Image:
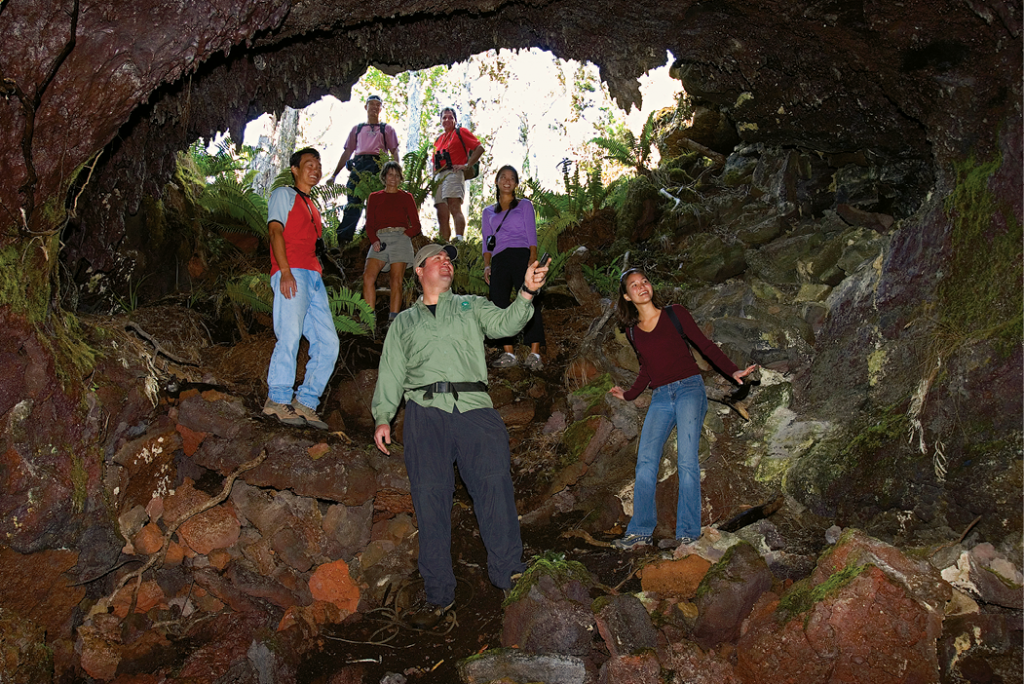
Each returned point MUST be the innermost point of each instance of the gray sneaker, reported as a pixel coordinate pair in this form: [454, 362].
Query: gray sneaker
[677, 542]
[309, 415]
[284, 413]
[533, 362]
[632, 541]
[506, 360]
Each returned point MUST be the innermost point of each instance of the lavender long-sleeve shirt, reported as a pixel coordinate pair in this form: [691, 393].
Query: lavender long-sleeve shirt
[518, 230]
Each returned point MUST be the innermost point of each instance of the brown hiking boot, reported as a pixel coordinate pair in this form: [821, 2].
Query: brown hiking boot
[309, 415]
[423, 615]
[284, 413]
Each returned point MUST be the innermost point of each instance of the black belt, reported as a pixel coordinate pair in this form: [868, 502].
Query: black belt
[452, 388]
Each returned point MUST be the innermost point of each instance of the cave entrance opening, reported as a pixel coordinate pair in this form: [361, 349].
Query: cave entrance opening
[529, 108]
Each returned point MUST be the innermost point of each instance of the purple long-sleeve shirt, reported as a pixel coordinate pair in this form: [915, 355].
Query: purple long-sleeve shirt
[518, 230]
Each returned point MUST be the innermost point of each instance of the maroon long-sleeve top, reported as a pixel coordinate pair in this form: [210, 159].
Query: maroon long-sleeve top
[665, 356]
[390, 210]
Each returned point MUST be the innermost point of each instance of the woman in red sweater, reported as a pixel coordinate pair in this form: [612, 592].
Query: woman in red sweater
[679, 401]
[392, 220]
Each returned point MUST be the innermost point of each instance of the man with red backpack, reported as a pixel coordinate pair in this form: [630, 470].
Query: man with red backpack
[456, 153]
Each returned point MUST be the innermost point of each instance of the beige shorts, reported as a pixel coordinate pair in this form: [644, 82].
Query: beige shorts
[397, 249]
[451, 186]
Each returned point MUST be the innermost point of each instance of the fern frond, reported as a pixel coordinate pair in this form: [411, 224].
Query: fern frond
[351, 313]
[253, 292]
[283, 179]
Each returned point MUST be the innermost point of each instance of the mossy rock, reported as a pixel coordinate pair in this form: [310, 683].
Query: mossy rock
[802, 596]
[553, 565]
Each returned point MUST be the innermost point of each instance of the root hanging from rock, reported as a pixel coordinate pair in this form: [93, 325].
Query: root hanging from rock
[159, 556]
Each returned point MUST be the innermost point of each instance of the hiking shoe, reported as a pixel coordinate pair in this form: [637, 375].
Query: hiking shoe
[284, 413]
[423, 615]
[506, 360]
[309, 415]
[677, 542]
[632, 541]
[533, 362]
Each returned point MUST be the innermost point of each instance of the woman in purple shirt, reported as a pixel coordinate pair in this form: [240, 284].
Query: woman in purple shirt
[509, 232]
[679, 400]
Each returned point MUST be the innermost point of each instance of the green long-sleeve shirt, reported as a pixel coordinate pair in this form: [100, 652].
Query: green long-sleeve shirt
[422, 348]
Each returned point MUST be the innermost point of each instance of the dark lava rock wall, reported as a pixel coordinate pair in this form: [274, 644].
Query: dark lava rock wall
[919, 79]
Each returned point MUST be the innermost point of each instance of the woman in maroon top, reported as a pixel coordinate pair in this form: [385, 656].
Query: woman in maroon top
[679, 401]
[392, 220]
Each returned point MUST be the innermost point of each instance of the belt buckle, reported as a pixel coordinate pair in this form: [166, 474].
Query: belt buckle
[442, 387]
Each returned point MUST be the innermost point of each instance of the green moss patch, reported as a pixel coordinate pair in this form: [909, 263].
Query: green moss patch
[595, 390]
[802, 596]
[577, 437]
[980, 297]
[553, 565]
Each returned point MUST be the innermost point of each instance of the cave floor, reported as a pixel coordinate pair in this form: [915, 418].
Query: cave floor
[432, 656]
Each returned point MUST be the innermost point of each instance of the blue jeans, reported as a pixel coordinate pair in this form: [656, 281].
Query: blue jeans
[681, 404]
[308, 315]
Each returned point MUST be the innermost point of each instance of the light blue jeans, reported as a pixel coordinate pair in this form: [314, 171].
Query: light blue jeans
[681, 404]
[308, 315]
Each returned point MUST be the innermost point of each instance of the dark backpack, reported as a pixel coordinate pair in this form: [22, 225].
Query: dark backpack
[475, 171]
[675, 323]
[383, 126]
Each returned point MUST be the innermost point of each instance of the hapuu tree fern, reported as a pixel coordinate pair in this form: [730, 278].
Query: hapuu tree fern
[629, 150]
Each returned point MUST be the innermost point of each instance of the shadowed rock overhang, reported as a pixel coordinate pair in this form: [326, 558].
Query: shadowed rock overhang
[136, 81]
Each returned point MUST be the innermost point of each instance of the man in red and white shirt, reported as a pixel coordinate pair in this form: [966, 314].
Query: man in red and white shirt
[301, 308]
[455, 152]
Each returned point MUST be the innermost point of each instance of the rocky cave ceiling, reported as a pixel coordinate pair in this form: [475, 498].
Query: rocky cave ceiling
[918, 79]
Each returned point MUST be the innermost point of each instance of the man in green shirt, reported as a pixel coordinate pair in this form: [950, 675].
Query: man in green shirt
[434, 356]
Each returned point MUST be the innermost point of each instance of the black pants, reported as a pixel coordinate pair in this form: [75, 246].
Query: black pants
[364, 163]
[508, 272]
[477, 441]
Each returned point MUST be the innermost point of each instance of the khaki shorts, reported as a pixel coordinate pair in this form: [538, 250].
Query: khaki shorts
[397, 250]
[451, 186]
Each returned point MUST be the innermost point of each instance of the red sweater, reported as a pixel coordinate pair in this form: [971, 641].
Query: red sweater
[389, 210]
[665, 357]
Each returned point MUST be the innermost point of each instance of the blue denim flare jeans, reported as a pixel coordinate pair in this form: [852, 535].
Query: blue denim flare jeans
[308, 315]
[681, 404]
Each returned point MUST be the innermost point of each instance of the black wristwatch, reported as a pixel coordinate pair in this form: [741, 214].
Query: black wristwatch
[532, 293]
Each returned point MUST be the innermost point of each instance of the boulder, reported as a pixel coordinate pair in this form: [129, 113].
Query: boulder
[353, 398]
[347, 529]
[727, 593]
[677, 577]
[35, 588]
[987, 576]
[981, 648]
[344, 474]
[625, 625]
[639, 668]
[25, 657]
[332, 583]
[214, 413]
[857, 626]
[509, 664]
[700, 667]
[550, 618]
